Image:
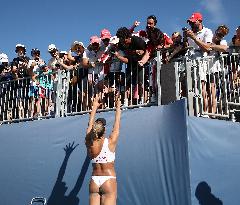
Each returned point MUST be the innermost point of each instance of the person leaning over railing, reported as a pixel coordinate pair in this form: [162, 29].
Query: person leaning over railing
[94, 53]
[114, 78]
[134, 49]
[157, 41]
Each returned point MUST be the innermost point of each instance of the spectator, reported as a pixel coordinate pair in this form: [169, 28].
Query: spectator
[217, 46]
[34, 69]
[198, 38]
[58, 61]
[93, 55]
[20, 63]
[20, 88]
[5, 69]
[236, 38]
[79, 58]
[134, 49]
[152, 32]
[53, 62]
[105, 36]
[114, 79]
[178, 48]
[79, 77]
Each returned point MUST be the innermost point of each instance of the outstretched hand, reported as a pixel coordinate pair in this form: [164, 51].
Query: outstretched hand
[96, 101]
[136, 23]
[69, 148]
[118, 102]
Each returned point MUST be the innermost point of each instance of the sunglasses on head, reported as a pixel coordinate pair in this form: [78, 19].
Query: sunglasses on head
[219, 34]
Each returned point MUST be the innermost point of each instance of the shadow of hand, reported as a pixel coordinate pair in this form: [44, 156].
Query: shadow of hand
[69, 148]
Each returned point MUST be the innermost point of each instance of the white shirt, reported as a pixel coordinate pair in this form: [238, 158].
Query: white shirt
[214, 64]
[94, 57]
[206, 36]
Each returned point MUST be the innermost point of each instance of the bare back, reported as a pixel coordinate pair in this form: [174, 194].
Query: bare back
[99, 169]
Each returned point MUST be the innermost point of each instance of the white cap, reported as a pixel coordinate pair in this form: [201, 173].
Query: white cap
[114, 40]
[20, 46]
[3, 58]
[52, 47]
[77, 43]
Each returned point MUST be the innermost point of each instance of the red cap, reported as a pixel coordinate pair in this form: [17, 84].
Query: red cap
[195, 16]
[94, 39]
[105, 34]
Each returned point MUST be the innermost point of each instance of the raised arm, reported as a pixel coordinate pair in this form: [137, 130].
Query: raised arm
[116, 127]
[95, 106]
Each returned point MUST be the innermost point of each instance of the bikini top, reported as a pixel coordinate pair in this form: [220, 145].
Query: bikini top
[105, 155]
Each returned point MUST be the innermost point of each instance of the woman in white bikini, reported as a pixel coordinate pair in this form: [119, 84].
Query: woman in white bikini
[101, 150]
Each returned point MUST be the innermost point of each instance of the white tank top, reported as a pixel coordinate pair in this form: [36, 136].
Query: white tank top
[105, 155]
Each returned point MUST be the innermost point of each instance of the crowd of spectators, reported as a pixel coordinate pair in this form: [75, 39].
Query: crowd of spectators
[98, 67]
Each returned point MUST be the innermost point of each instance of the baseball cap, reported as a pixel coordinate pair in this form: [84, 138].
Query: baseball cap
[114, 40]
[195, 16]
[52, 47]
[20, 46]
[94, 39]
[77, 43]
[105, 34]
[3, 58]
[102, 120]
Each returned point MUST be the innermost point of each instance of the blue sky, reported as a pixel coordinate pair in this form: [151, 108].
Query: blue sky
[36, 24]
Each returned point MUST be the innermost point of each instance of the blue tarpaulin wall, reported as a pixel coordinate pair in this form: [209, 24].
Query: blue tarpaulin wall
[151, 159]
[214, 153]
[163, 157]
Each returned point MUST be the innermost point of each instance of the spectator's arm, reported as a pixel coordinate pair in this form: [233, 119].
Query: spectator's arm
[70, 57]
[145, 58]
[220, 48]
[121, 58]
[135, 24]
[203, 46]
[67, 67]
[85, 63]
[167, 41]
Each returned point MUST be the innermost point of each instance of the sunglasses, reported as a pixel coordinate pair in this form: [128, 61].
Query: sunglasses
[106, 40]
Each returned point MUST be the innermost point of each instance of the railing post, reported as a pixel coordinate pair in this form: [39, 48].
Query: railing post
[58, 94]
[177, 83]
[159, 63]
[62, 92]
[189, 86]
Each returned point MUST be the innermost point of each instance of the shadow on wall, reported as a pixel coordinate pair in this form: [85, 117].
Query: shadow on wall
[58, 196]
[204, 195]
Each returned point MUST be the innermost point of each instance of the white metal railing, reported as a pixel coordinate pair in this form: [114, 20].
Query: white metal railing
[211, 85]
[70, 92]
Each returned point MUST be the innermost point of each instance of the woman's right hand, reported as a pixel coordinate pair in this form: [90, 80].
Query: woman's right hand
[96, 103]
